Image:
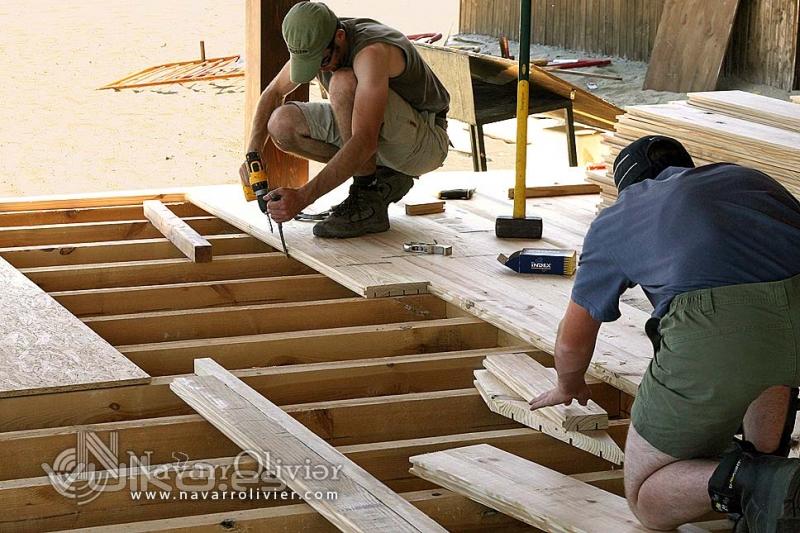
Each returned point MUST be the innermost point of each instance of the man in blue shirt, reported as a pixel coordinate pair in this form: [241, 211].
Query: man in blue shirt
[716, 249]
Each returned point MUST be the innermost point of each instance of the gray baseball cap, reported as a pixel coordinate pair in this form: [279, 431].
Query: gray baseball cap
[308, 28]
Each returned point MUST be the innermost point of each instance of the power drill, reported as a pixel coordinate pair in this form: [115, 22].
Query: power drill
[260, 185]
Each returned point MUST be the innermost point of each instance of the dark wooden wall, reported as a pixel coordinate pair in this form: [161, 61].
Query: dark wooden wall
[763, 46]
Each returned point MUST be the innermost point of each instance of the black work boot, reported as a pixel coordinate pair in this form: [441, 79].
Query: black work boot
[393, 185]
[363, 211]
[764, 489]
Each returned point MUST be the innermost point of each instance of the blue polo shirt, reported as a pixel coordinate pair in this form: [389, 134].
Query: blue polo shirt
[688, 229]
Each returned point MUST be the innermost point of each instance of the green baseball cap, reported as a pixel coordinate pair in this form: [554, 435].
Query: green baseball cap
[308, 29]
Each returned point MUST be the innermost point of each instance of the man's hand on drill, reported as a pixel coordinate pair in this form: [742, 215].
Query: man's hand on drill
[291, 202]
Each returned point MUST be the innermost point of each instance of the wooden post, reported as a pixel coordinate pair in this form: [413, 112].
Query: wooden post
[265, 55]
[202, 50]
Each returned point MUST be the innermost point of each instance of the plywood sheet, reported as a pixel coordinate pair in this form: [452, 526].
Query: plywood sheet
[527, 306]
[690, 45]
[750, 106]
[44, 348]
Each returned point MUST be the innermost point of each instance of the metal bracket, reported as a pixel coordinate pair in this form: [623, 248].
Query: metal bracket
[427, 248]
[312, 217]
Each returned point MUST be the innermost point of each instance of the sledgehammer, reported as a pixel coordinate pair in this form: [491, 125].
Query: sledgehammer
[520, 226]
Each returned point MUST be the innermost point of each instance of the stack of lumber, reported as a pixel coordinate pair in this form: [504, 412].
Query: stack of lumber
[510, 381]
[726, 126]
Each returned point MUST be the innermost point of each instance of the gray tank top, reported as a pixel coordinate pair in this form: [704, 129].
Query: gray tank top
[417, 85]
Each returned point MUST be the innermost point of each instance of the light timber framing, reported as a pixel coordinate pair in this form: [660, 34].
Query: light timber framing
[179, 233]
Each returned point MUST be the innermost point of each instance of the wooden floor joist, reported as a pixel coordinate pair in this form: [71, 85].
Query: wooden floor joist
[350, 498]
[179, 233]
[122, 251]
[200, 294]
[163, 271]
[90, 214]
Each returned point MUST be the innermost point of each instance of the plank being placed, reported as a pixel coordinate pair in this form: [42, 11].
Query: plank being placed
[186, 239]
[527, 491]
[528, 378]
[44, 348]
[503, 401]
[342, 260]
[274, 438]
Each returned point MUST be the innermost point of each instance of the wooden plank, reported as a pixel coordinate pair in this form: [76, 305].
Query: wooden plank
[286, 385]
[529, 492]
[503, 401]
[52, 234]
[312, 346]
[121, 251]
[257, 319]
[186, 239]
[453, 71]
[751, 107]
[200, 294]
[424, 208]
[266, 54]
[163, 271]
[273, 438]
[528, 378]
[90, 214]
[690, 45]
[546, 191]
[44, 348]
[321, 256]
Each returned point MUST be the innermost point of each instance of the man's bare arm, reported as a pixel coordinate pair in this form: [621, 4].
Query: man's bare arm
[575, 342]
[272, 98]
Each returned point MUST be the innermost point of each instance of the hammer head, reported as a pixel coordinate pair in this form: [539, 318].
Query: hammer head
[518, 228]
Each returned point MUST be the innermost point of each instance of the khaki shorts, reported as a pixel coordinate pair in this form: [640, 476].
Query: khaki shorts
[409, 142]
[720, 348]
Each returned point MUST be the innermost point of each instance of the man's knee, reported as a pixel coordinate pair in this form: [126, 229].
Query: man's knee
[342, 86]
[285, 125]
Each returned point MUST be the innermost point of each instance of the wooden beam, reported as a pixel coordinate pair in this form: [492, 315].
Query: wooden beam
[503, 401]
[256, 319]
[525, 490]
[545, 191]
[44, 348]
[424, 208]
[341, 423]
[186, 239]
[529, 379]
[285, 385]
[163, 271]
[200, 294]
[266, 54]
[53, 234]
[274, 438]
[90, 214]
[121, 251]
[313, 346]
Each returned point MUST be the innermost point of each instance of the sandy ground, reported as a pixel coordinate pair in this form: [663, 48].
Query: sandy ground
[58, 134]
